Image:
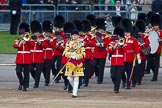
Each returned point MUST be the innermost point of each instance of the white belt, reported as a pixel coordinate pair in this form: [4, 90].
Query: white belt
[117, 55]
[48, 49]
[87, 47]
[36, 50]
[23, 52]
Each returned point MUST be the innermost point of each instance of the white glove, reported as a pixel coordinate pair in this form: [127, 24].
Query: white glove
[139, 61]
[97, 44]
[13, 12]
[82, 43]
[73, 55]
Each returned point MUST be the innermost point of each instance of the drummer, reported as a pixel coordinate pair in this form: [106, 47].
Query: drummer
[153, 61]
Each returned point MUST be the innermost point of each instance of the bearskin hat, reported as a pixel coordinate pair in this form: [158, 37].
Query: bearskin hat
[23, 27]
[126, 25]
[47, 26]
[155, 19]
[59, 21]
[75, 31]
[116, 20]
[100, 23]
[142, 16]
[36, 26]
[68, 27]
[141, 25]
[92, 19]
[119, 31]
[134, 32]
[78, 25]
[149, 14]
[157, 6]
[86, 25]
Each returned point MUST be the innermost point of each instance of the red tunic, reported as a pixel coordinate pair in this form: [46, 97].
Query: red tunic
[37, 55]
[23, 54]
[58, 50]
[145, 44]
[159, 47]
[131, 48]
[47, 49]
[100, 52]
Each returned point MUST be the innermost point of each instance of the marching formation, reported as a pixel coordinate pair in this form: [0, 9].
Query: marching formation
[75, 51]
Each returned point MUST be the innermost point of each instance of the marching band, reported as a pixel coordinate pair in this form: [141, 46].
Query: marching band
[71, 49]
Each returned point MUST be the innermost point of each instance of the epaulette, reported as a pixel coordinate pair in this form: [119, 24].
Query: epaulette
[106, 35]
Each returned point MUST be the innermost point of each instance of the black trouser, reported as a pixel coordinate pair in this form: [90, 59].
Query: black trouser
[153, 62]
[66, 81]
[15, 19]
[128, 69]
[99, 63]
[23, 78]
[138, 72]
[116, 75]
[36, 74]
[87, 66]
[56, 66]
[46, 70]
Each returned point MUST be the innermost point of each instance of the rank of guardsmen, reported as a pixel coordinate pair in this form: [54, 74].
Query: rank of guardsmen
[75, 51]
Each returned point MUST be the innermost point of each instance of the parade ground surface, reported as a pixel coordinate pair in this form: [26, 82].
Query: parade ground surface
[147, 95]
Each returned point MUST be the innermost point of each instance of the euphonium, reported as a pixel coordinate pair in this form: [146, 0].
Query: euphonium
[121, 41]
[26, 36]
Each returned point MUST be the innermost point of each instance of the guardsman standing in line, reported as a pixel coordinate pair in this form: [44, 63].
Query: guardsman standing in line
[88, 50]
[144, 43]
[23, 60]
[68, 29]
[100, 43]
[117, 57]
[47, 49]
[74, 68]
[37, 55]
[131, 49]
[92, 19]
[58, 45]
[153, 61]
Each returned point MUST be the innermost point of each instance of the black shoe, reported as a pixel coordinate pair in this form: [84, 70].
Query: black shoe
[65, 87]
[20, 87]
[147, 72]
[46, 84]
[35, 86]
[86, 85]
[154, 80]
[69, 91]
[128, 87]
[99, 82]
[74, 96]
[116, 92]
[24, 89]
[138, 83]
[133, 85]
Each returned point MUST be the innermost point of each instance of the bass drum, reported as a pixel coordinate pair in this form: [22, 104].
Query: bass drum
[154, 43]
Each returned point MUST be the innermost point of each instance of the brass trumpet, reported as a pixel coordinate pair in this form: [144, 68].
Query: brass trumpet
[26, 36]
[121, 41]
